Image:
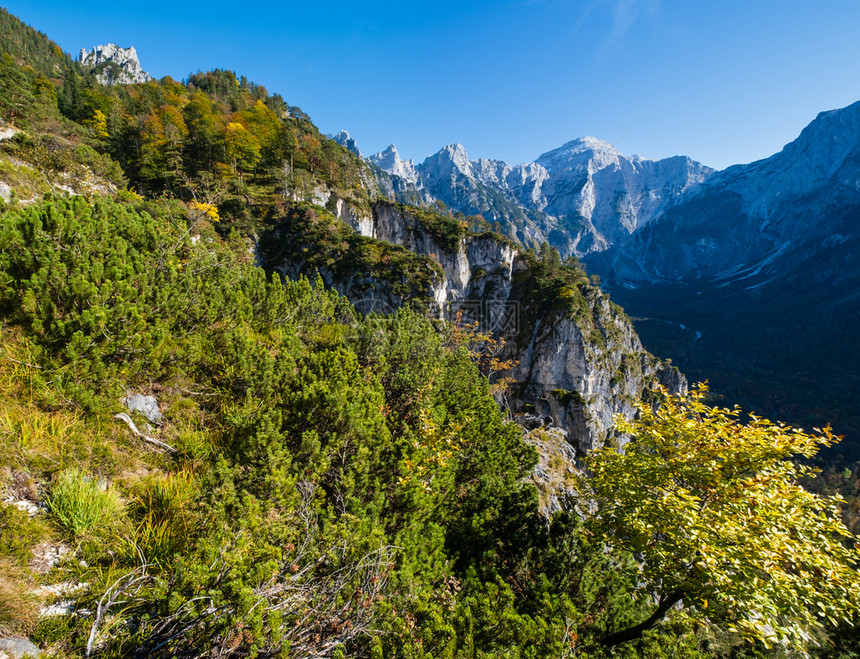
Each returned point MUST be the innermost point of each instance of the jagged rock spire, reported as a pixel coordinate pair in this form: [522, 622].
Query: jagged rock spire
[114, 65]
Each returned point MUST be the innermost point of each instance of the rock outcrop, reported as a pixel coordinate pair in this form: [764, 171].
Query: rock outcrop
[577, 357]
[114, 65]
[556, 471]
[343, 138]
[17, 647]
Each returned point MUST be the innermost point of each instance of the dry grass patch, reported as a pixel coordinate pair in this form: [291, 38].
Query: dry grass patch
[19, 607]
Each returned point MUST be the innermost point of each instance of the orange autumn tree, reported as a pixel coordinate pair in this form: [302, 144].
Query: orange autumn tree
[486, 350]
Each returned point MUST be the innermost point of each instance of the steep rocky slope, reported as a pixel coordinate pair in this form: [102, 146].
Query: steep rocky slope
[398, 179]
[759, 220]
[616, 194]
[578, 360]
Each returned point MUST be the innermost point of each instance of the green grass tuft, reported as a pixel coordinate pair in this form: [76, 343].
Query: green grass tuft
[81, 506]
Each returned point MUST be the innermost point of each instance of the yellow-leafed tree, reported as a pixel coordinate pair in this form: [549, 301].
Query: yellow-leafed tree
[713, 511]
[242, 147]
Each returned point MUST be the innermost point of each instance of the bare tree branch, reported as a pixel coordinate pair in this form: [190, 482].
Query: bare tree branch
[122, 416]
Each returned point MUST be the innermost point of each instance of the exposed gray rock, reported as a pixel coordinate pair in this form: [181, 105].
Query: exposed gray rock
[390, 161]
[585, 369]
[343, 138]
[579, 369]
[757, 221]
[7, 131]
[556, 472]
[146, 405]
[31, 508]
[583, 197]
[46, 555]
[18, 646]
[114, 65]
[533, 421]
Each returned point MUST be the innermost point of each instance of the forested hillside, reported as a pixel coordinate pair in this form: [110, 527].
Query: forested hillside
[200, 460]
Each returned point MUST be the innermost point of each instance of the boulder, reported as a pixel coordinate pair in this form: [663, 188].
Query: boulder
[146, 405]
[17, 647]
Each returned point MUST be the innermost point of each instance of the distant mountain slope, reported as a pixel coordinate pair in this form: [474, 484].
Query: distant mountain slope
[759, 220]
[752, 279]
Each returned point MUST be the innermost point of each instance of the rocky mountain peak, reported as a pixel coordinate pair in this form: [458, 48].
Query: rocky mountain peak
[114, 65]
[455, 151]
[809, 161]
[390, 161]
[587, 143]
[830, 126]
[760, 219]
[448, 163]
[582, 151]
[451, 156]
[347, 142]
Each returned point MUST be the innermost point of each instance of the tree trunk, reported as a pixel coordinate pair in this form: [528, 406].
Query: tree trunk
[632, 633]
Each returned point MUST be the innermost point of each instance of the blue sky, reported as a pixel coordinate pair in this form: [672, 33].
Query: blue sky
[722, 81]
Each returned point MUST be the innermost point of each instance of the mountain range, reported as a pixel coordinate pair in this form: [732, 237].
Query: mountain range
[759, 221]
[747, 276]
[582, 197]
[585, 197]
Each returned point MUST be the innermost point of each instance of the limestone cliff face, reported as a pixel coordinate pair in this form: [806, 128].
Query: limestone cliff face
[459, 259]
[114, 65]
[582, 368]
[578, 359]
